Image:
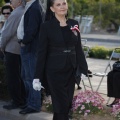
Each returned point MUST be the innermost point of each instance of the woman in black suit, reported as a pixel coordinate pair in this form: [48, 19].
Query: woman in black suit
[59, 55]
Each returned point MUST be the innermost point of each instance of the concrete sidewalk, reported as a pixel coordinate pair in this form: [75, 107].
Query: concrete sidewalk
[95, 65]
[14, 114]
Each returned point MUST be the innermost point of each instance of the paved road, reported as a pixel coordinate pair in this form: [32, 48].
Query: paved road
[101, 36]
[105, 44]
[109, 41]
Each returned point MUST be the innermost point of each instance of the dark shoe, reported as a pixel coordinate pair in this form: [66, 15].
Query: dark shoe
[111, 105]
[11, 106]
[27, 111]
[114, 103]
[23, 106]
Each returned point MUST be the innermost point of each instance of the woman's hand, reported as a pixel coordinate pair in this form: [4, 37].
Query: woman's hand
[37, 85]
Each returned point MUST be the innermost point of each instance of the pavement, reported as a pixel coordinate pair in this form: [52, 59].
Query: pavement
[95, 65]
[14, 114]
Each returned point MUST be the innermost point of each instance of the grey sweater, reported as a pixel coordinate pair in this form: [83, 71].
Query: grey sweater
[9, 40]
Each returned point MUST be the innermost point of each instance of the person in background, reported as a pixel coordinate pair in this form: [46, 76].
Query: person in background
[7, 2]
[60, 55]
[11, 47]
[113, 86]
[1, 53]
[28, 35]
[6, 11]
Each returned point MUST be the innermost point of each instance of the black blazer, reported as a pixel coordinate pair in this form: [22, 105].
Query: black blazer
[51, 37]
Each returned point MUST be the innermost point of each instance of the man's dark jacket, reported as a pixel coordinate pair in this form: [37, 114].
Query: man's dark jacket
[32, 22]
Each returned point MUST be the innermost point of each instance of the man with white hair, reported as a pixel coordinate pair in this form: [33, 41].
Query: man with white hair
[28, 35]
[11, 47]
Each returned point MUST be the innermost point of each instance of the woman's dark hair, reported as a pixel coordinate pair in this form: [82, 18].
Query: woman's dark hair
[49, 13]
[7, 7]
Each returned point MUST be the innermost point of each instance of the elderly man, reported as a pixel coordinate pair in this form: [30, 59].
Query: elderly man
[28, 34]
[11, 47]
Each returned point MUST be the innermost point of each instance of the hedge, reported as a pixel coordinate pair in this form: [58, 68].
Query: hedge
[100, 52]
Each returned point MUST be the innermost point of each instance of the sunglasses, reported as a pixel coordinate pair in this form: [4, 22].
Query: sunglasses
[6, 13]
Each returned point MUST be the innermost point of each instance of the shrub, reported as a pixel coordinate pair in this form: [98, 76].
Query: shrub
[98, 52]
[110, 52]
[118, 50]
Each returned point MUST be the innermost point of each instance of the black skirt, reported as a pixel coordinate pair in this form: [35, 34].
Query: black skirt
[62, 84]
[113, 84]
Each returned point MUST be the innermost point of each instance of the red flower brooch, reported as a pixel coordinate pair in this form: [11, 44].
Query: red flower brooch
[75, 29]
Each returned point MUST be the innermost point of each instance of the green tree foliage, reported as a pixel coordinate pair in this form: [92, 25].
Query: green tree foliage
[106, 11]
[1, 3]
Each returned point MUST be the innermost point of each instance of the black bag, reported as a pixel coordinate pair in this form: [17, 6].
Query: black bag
[116, 66]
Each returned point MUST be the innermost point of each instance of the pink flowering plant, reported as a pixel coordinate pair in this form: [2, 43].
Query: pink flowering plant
[116, 110]
[87, 102]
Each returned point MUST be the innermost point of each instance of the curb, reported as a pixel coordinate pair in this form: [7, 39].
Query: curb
[101, 40]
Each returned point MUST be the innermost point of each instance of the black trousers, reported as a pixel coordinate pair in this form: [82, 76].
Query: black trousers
[113, 84]
[13, 75]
